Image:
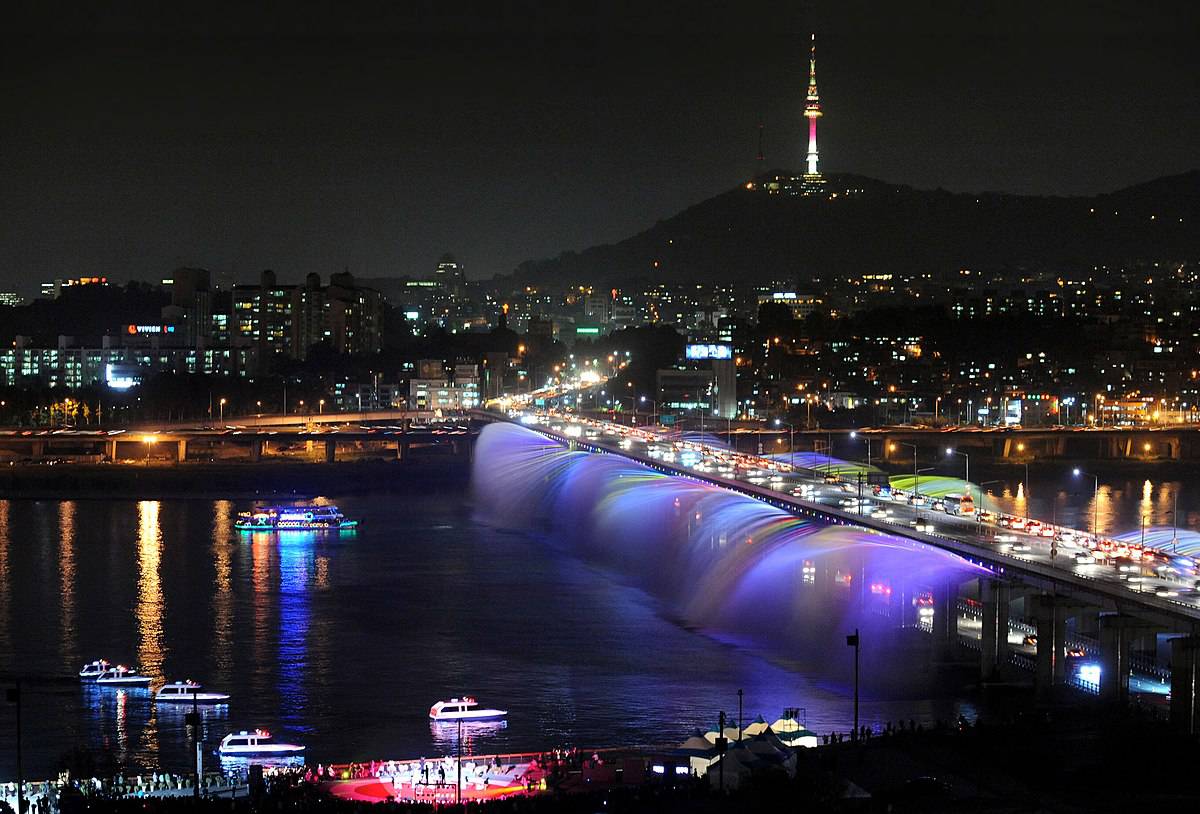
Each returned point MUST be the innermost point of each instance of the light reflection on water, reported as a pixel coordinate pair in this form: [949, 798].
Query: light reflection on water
[342, 642]
[66, 571]
[5, 587]
[1117, 507]
[149, 612]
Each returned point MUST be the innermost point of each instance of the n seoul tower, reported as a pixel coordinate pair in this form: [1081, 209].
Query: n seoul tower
[812, 112]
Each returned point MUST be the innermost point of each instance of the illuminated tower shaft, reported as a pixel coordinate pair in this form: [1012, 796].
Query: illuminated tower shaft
[812, 109]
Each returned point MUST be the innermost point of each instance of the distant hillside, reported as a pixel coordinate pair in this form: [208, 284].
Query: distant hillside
[753, 237]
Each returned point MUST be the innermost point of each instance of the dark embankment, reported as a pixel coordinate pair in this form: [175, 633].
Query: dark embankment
[208, 480]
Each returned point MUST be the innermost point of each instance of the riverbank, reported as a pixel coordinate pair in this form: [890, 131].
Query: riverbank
[232, 480]
[1067, 761]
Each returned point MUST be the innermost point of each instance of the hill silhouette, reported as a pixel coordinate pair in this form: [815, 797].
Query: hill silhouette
[751, 237]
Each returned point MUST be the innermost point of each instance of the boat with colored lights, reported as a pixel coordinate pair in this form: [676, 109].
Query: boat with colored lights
[255, 743]
[188, 692]
[463, 709]
[94, 669]
[122, 676]
[293, 518]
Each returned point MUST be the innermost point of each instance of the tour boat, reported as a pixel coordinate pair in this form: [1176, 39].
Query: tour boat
[463, 709]
[187, 692]
[293, 518]
[94, 669]
[258, 742]
[122, 676]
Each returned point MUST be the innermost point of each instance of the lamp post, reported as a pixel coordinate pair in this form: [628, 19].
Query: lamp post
[321, 406]
[222, 405]
[916, 474]
[967, 476]
[867, 438]
[855, 642]
[632, 401]
[1174, 520]
[1095, 502]
[654, 405]
[791, 442]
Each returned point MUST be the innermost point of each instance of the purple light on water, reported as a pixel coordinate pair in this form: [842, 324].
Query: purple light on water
[723, 562]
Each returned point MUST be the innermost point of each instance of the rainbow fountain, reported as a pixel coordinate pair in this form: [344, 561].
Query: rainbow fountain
[731, 566]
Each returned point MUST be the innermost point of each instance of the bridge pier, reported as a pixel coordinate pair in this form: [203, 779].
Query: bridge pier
[256, 450]
[1116, 638]
[37, 449]
[994, 595]
[110, 450]
[1185, 682]
[330, 451]
[945, 622]
[1051, 665]
[180, 450]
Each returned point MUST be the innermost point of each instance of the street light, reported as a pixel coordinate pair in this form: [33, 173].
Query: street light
[321, 406]
[1095, 502]
[791, 442]
[867, 438]
[855, 642]
[654, 404]
[967, 458]
[916, 474]
[222, 403]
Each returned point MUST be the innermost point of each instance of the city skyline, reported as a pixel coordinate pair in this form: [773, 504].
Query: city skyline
[503, 142]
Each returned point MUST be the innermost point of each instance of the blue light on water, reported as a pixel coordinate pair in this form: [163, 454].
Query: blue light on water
[723, 561]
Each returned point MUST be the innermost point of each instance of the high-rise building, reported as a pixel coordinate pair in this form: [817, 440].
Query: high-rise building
[287, 320]
[11, 298]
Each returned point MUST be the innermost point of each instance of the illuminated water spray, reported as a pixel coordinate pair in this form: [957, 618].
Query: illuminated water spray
[723, 562]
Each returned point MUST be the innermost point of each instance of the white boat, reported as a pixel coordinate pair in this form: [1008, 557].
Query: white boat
[122, 676]
[258, 742]
[463, 709]
[187, 692]
[94, 669]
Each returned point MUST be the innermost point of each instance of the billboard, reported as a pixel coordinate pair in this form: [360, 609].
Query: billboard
[708, 351]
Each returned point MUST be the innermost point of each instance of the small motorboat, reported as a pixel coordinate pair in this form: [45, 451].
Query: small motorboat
[122, 676]
[463, 709]
[256, 743]
[94, 669]
[188, 692]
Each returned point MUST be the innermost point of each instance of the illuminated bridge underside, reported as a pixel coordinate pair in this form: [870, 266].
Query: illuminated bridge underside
[1062, 583]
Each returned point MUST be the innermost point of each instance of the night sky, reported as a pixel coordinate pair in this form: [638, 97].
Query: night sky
[306, 137]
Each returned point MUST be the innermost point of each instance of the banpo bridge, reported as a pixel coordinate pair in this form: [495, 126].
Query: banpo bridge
[1030, 616]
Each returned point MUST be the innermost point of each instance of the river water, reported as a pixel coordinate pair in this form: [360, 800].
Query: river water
[342, 642]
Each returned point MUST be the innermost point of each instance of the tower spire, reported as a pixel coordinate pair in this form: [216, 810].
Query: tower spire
[812, 112]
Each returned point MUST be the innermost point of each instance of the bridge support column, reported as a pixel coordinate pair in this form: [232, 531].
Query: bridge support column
[1185, 684]
[256, 450]
[1051, 667]
[180, 451]
[37, 449]
[994, 596]
[330, 451]
[1116, 636]
[945, 622]
[110, 450]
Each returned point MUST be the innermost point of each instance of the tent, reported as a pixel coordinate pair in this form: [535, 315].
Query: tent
[738, 764]
[731, 735]
[757, 727]
[789, 730]
[699, 751]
